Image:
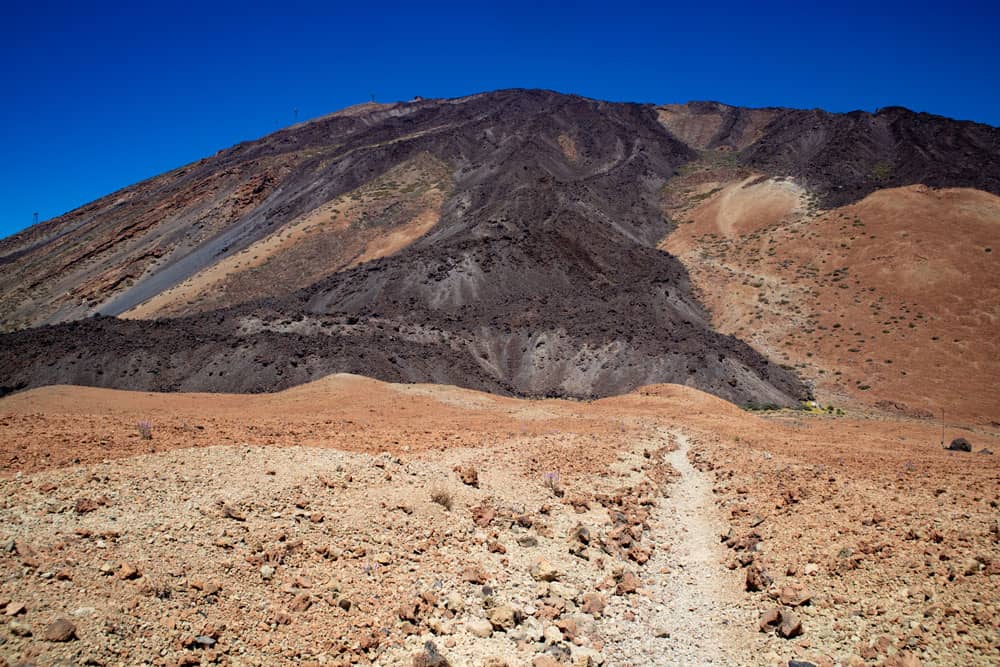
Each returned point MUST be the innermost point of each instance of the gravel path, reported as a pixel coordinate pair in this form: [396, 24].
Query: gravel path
[693, 616]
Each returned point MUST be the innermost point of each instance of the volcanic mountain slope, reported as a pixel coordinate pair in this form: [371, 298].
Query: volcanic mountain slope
[844, 157]
[540, 276]
[890, 302]
[506, 241]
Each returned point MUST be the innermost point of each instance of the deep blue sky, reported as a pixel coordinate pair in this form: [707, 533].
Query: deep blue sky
[97, 96]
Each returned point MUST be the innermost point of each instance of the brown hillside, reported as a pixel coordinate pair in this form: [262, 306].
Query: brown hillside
[892, 302]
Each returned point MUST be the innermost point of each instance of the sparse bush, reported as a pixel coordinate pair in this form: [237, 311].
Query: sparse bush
[145, 429]
[882, 171]
[761, 407]
[551, 482]
[443, 498]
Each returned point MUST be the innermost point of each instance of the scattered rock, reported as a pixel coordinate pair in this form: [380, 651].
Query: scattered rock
[233, 513]
[409, 611]
[128, 572]
[587, 657]
[530, 630]
[903, 660]
[454, 602]
[527, 541]
[59, 630]
[479, 627]
[770, 619]
[19, 629]
[15, 608]
[300, 602]
[266, 572]
[628, 583]
[593, 604]
[474, 575]
[483, 515]
[503, 617]
[795, 596]
[960, 445]
[86, 505]
[790, 626]
[757, 578]
[430, 657]
[552, 635]
[543, 570]
[469, 475]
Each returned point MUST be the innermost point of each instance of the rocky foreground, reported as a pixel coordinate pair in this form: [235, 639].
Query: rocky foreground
[433, 526]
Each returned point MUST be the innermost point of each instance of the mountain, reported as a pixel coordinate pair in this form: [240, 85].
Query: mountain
[515, 241]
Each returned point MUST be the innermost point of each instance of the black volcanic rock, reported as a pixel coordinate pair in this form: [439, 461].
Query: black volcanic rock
[845, 156]
[542, 276]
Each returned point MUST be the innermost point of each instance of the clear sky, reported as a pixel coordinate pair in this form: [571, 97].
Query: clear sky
[99, 95]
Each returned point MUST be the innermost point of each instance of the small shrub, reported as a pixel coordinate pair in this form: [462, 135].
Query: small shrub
[443, 498]
[145, 429]
[761, 407]
[882, 171]
[551, 482]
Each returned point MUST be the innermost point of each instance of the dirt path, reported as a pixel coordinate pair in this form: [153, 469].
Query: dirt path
[694, 616]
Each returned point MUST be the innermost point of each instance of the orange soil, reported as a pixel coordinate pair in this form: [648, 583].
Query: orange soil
[900, 532]
[891, 302]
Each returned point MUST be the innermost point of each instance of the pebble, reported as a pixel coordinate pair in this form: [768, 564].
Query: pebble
[543, 570]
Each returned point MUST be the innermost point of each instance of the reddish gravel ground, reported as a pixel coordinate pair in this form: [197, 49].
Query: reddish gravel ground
[302, 528]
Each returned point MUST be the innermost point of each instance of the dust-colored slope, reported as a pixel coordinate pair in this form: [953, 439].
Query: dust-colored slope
[376, 220]
[705, 125]
[893, 301]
